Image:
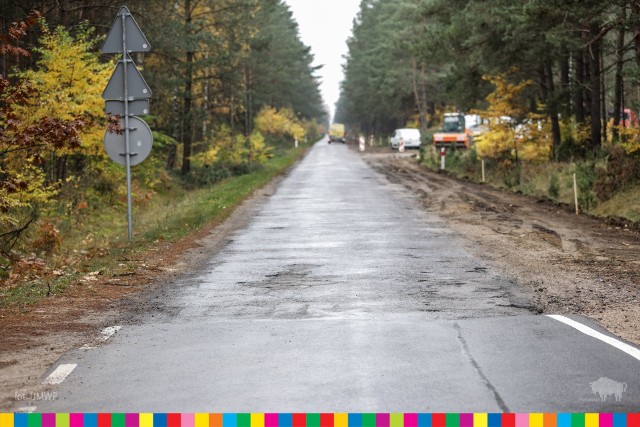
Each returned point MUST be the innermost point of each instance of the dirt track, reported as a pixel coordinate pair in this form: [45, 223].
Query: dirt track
[570, 264]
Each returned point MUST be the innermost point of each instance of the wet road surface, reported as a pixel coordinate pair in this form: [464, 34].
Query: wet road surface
[343, 294]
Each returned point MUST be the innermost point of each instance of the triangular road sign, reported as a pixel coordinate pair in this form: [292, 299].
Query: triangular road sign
[137, 87]
[136, 41]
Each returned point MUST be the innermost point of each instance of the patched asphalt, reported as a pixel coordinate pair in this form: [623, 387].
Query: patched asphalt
[343, 294]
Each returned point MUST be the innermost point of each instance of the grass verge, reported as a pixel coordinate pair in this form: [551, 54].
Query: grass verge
[96, 243]
[549, 180]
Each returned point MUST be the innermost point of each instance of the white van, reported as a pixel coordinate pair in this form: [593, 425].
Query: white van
[411, 138]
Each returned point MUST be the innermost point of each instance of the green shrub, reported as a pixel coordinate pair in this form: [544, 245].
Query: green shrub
[585, 177]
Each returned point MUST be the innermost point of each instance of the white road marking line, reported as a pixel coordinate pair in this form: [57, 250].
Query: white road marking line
[27, 409]
[105, 334]
[631, 351]
[60, 374]
[88, 347]
[109, 332]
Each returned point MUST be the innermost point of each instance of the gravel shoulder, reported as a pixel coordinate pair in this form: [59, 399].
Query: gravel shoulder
[568, 264]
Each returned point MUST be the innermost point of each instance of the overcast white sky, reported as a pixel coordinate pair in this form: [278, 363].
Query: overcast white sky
[325, 25]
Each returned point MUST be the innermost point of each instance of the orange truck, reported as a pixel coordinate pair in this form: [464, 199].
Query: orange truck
[453, 132]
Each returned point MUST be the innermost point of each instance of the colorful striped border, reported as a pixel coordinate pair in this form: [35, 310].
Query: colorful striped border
[320, 420]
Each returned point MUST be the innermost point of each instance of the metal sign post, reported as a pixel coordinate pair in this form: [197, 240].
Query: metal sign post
[127, 144]
[126, 89]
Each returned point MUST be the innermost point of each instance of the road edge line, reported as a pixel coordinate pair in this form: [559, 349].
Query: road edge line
[614, 342]
[107, 333]
[60, 374]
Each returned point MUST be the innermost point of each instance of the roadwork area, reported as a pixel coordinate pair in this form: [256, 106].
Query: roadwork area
[568, 264]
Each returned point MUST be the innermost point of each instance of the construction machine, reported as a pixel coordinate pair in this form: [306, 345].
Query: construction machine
[453, 132]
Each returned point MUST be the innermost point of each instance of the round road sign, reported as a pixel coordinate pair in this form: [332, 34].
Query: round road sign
[140, 142]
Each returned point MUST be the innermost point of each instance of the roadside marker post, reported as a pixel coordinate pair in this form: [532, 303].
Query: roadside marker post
[483, 180]
[362, 143]
[296, 142]
[126, 95]
[443, 156]
[401, 145]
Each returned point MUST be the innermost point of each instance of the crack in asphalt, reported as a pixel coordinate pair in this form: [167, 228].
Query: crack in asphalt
[465, 350]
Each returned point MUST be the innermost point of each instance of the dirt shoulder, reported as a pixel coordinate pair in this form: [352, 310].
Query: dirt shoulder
[569, 264]
[33, 338]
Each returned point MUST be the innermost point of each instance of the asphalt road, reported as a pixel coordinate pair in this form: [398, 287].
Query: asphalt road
[342, 294]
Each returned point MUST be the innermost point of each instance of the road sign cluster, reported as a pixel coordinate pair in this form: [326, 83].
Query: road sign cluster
[127, 95]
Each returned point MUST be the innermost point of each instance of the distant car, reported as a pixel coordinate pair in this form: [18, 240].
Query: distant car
[334, 138]
[411, 138]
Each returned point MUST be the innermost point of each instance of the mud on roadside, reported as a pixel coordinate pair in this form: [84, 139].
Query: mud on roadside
[568, 264]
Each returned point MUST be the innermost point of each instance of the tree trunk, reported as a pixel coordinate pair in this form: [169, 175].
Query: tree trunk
[61, 167]
[431, 111]
[565, 84]
[595, 72]
[618, 105]
[248, 99]
[63, 14]
[587, 80]
[547, 94]
[232, 114]
[205, 111]
[635, 19]
[3, 30]
[603, 98]
[187, 132]
[172, 157]
[424, 123]
[552, 109]
[579, 90]
[420, 101]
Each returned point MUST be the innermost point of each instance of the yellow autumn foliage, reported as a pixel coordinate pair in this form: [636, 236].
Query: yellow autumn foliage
[271, 121]
[229, 149]
[513, 130]
[69, 81]
[66, 82]
[36, 192]
[629, 138]
[259, 151]
[313, 129]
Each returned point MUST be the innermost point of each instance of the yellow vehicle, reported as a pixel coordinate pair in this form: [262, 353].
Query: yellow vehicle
[337, 133]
